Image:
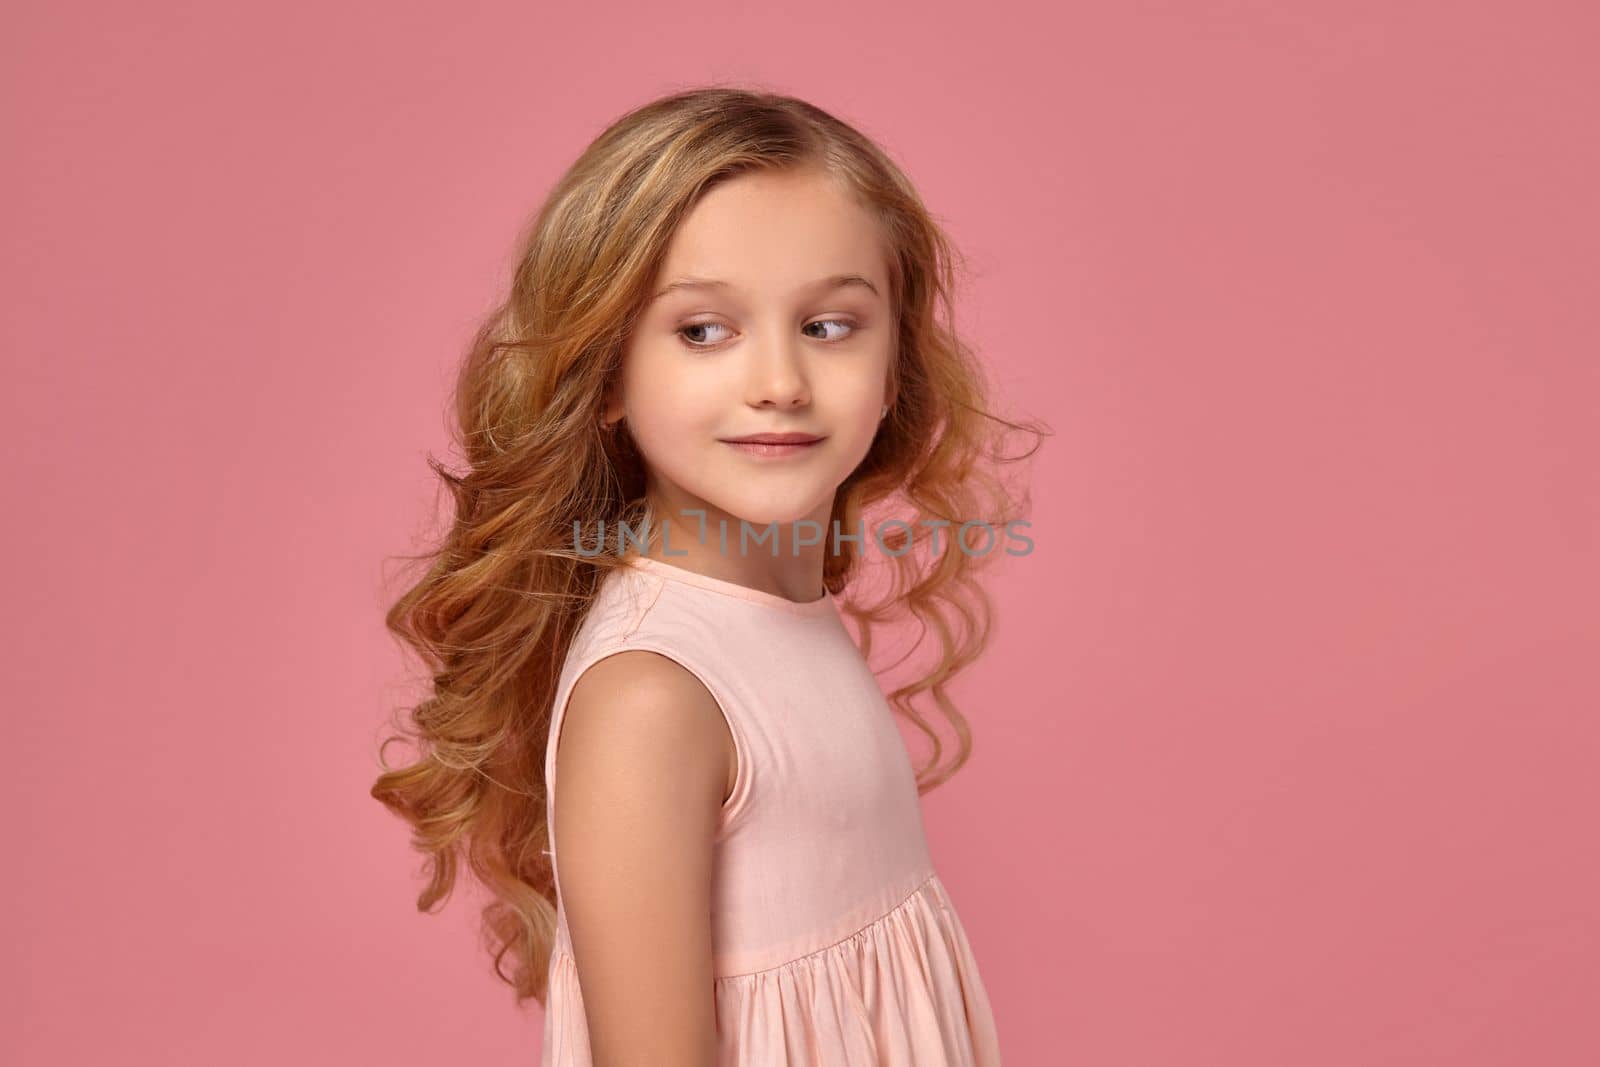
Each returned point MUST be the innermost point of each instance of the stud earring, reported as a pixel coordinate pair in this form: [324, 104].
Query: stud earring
[884, 412]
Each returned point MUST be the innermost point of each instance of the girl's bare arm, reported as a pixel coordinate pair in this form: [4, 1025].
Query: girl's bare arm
[641, 772]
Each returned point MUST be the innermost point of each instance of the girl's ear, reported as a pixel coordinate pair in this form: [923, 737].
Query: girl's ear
[611, 406]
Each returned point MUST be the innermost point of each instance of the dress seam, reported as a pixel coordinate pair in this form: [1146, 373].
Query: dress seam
[559, 950]
[848, 937]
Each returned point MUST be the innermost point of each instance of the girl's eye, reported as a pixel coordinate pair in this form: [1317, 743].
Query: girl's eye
[833, 322]
[693, 343]
[701, 326]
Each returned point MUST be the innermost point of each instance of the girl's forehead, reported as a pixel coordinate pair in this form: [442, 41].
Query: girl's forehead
[861, 283]
[742, 216]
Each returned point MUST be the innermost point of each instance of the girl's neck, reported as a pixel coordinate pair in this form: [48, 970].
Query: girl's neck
[783, 559]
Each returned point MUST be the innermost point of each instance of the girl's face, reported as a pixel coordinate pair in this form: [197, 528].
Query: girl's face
[771, 315]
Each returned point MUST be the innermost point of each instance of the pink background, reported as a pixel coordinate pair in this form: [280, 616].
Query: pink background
[1286, 743]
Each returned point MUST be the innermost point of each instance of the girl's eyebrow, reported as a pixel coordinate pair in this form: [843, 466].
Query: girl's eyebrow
[824, 285]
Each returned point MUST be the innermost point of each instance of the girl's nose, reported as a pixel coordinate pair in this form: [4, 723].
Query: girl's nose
[778, 377]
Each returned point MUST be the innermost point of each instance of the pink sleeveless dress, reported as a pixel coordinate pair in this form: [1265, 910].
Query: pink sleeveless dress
[834, 942]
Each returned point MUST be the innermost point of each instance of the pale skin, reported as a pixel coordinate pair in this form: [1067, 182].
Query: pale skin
[645, 762]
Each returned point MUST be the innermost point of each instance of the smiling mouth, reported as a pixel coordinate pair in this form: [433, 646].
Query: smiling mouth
[774, 445]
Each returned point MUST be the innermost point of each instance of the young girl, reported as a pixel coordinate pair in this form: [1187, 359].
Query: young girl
[718, 389]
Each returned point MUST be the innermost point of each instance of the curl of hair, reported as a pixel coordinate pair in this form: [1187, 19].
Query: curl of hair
[498, 600]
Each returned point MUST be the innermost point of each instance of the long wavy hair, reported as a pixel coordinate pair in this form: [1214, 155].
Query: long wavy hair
[494, 606]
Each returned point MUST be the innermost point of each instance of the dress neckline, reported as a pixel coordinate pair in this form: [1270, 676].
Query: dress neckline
[823, 605]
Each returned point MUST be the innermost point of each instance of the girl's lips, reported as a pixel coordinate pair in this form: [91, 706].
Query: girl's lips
[769, 450]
